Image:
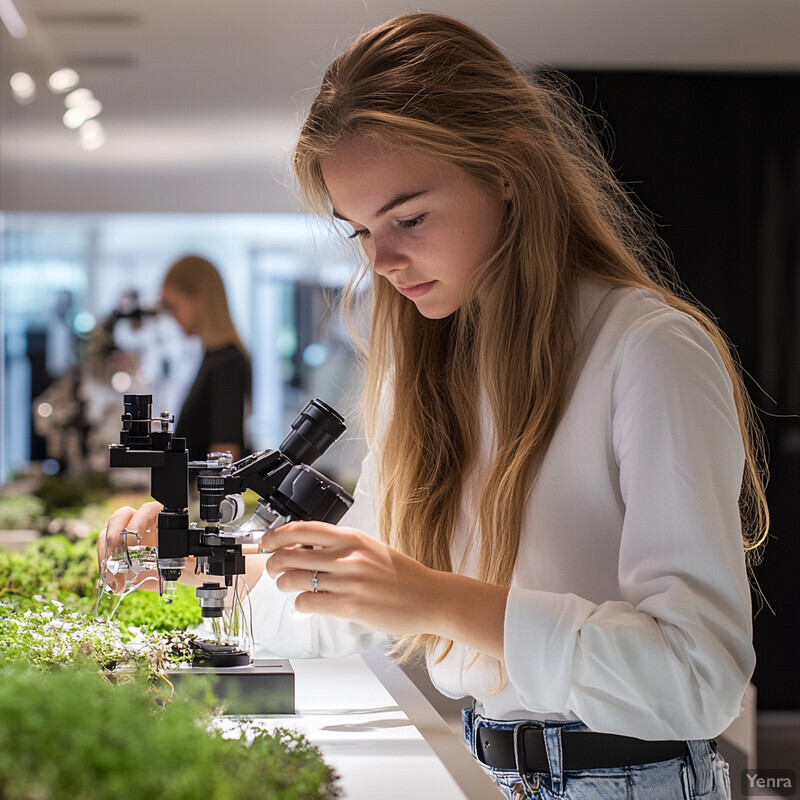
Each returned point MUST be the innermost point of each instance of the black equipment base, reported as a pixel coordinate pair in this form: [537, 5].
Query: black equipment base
[264, 687]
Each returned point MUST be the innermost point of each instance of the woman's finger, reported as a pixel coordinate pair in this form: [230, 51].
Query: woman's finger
[307, 534]
[145, 520]
[302, 580]
[298, 558]
[110, 534]
[142, 522]
[119, 519]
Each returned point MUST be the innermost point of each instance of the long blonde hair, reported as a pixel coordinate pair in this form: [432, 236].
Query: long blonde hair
[436, 85]
[193, 275]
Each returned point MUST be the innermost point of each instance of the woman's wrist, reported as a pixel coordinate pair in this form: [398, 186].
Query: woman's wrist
[468, 611]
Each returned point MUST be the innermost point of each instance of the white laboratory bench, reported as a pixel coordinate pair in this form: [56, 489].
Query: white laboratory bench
[385, 740]
[379, 733]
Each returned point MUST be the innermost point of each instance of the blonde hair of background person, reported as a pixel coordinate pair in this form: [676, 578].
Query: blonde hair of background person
[568, 218]
[199, 281]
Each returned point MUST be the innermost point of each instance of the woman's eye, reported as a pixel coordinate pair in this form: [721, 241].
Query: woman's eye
[363, 233]
[412, 223]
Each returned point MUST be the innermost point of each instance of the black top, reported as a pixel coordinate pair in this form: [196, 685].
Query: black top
[214, 410]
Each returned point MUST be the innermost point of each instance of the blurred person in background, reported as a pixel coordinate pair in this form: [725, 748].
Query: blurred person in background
[213, 415]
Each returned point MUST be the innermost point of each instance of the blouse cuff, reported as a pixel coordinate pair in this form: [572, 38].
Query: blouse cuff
[540, 632]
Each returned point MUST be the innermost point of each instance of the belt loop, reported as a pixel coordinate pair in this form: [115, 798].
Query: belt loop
[555, 759]
[468, 721]
[700, 754]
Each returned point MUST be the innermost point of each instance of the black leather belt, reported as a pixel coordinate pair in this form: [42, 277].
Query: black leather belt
[523, 749]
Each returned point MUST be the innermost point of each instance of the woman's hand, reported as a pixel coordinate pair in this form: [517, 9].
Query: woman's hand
[140, 526]
[359, 578]
[364, 580]
[113, 538]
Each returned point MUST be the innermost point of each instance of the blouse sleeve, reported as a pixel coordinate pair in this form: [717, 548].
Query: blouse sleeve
[281, 630]
[673, 657]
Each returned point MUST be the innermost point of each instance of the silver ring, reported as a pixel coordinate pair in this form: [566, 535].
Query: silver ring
[314, 582]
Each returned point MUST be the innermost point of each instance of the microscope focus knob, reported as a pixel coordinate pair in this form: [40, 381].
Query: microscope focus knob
[231, 508]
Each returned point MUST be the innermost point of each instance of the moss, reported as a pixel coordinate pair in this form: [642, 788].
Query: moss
[147, 609]
[68, 735]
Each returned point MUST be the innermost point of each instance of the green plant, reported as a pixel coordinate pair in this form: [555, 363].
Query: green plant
[55, 568]
[71, 567]
[20, 577]
[144, 609]
[47, 593]
[123, 740]
[51, 566]
[67, 735]
[46, 635]
[20, 511]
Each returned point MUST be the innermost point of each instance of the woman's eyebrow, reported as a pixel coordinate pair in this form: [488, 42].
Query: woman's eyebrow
[392, 204]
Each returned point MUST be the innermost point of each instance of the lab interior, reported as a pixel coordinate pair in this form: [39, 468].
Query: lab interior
[135, 134]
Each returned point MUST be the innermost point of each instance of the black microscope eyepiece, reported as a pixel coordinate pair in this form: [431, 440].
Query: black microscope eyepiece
[314, 430]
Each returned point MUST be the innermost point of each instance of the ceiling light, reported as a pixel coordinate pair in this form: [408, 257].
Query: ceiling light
[12, 20]
[91, 108]
[78, 97]
[62, 80]
[23, 87]
[93, 135]
[75, 117]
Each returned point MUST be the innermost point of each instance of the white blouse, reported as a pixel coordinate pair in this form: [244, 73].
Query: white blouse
[629, 607]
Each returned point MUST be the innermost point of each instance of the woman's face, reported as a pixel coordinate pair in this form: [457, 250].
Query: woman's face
[184, 307]
[425, 225]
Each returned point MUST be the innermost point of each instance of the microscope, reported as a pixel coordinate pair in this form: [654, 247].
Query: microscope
[287, 486]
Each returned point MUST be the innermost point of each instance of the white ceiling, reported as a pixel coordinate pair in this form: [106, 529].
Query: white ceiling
[202, 98]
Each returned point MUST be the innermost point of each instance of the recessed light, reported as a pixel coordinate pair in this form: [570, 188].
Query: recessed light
[62, 80]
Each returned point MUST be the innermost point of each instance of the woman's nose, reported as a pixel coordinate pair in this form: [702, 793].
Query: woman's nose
[387, 258]
[387, 255]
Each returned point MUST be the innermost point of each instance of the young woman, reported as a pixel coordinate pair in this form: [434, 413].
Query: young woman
[563, 475]
[213, 414]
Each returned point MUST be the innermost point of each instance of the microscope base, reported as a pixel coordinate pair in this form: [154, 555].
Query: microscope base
[264, 687]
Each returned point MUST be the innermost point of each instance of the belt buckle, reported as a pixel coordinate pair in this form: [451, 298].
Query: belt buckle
[519, 753]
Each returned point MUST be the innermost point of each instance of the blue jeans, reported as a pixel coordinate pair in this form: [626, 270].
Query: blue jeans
[701, 775]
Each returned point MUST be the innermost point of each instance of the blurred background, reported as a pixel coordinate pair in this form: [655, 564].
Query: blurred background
[166, 128]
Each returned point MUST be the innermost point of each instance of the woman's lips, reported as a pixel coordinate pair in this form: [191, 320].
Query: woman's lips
[416, 290]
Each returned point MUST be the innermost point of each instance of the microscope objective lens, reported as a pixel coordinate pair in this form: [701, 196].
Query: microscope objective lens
[170, 591]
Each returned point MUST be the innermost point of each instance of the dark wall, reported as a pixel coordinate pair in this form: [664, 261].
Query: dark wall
[716, 159]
